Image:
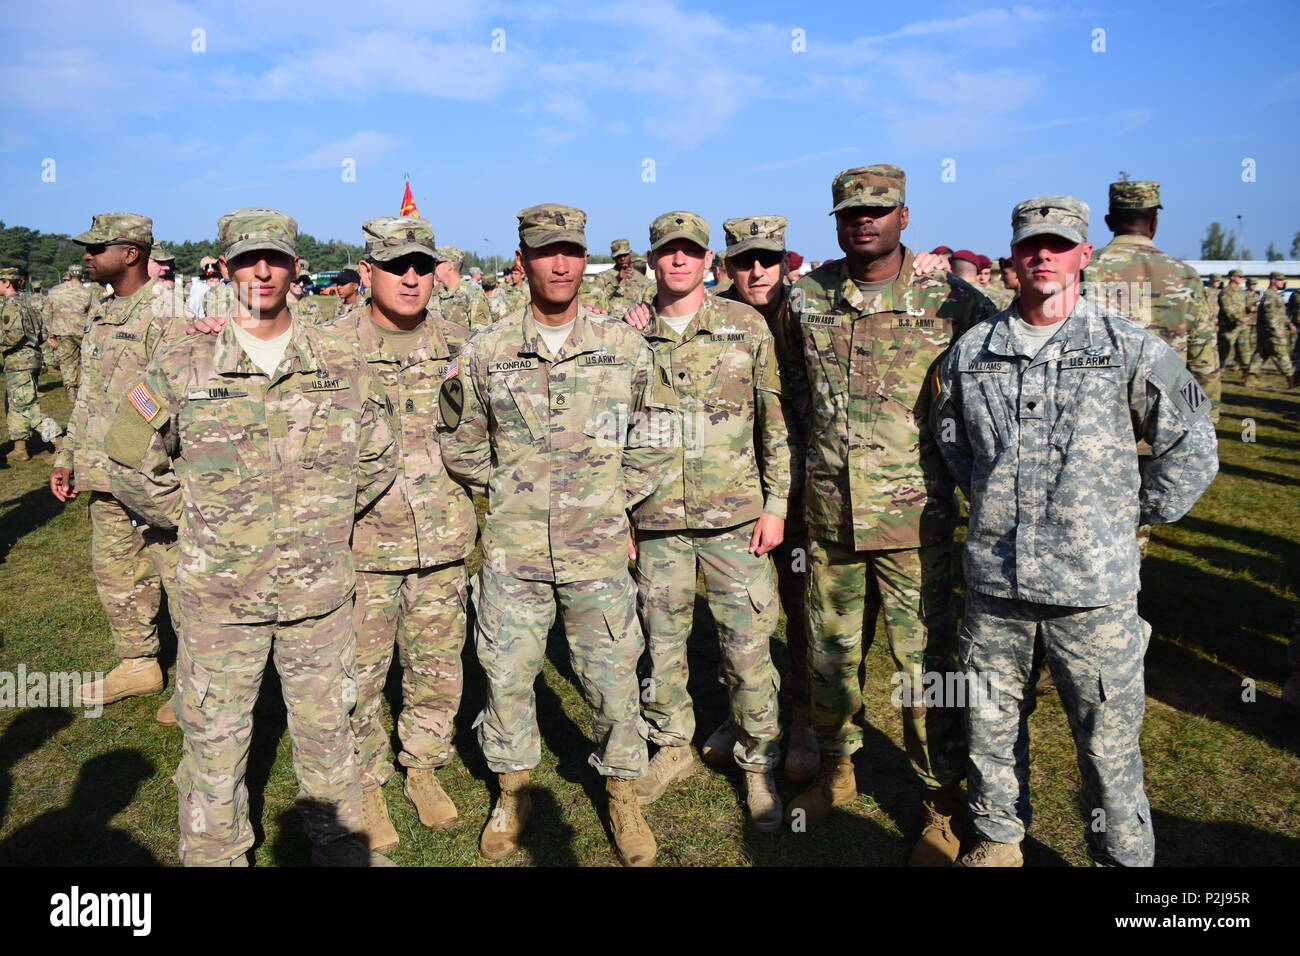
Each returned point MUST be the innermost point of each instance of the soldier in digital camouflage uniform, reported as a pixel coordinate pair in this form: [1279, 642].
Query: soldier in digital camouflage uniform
[261, 444]
[623, 286]
[70, 305]
[880, 507]
[721, 508]
[1271, 334]
[133, 560]
[1038, 418]
[561, 434]
[459, 301]
[21, 335]
[1236, 322]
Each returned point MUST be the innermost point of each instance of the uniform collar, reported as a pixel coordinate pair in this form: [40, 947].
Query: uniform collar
[582, 338]
[895, 297]
[230, 358]
[1133, 241]
[706, 319]
[374, 344]
[1084, 329]
[122, 308]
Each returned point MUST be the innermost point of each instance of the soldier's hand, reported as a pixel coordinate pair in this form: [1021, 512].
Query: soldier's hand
[769, 532]
[638, 316]
[207, 326]
[61, 484]
[631, 546]
[926, 262]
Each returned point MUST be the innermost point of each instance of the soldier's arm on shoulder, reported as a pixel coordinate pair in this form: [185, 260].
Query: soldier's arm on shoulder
[377, 452]
[947, 419]
[1172, 413]
[647, 448]
[141, 445]
[776, 451]
[463, 421]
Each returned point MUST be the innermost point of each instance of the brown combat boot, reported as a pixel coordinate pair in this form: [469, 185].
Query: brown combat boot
[166, 713]
[803, 756]
[636, 844]
[835, 786]
[1252, 381]
[506, 824]
[668, 766]
[134, 677]
[940, 842]
[430, 800]
[375, 823]
[989, 853]
[762, 801]
[717, 751]
[19, 451]
[351, 850]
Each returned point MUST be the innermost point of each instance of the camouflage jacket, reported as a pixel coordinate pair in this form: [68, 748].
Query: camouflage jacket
[123, 337]
[621, 294]
[21, 334]
[998, 294]
[498, 301]
[1132, 278]
[263, 477]
[873, 478]
[70, 305]
[219, 300]
[1272, 312]
[465, 305]
[789, 357]
[425, 518]
[1233, 302]
[177, 305]
[732, 458]
[564, 444]
[517, 296]
[1045, 450]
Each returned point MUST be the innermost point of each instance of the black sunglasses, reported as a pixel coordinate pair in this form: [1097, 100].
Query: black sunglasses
[767, 258]
[422, 265]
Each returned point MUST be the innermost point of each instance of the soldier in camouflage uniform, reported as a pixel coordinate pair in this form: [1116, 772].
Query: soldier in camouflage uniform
[623, 286]
[20, 342]
[70, 305]
[721, 508]
[880, 506]
[558, 414]
[1236, 322]
[261, 444]
[998, 291]
[162, 266]
[1271, 338]
[1038, 418]
[498, 299]
[459, 301]
[134, 561]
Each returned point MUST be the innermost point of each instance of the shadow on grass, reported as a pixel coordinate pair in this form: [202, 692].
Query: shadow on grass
[25, 514]
[1254, 474]
[1184, 842]
[26, 734]
[81, 833]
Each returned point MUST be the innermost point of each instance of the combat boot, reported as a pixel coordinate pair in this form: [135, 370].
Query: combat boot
[134, 677]
[718, 750]
[669, 765]
[166, 713]
[989, 853]
[19, 451]
[835, 786]
[375, 823]
[1252, 381]
[430, 800]
[940, 842]
[351, 850]
[762, 801]
[636, 844]
[506, 824]
[803, 756]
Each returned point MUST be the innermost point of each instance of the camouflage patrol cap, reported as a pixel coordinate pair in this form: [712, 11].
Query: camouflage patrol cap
[38, 286]
[620, 247]
[489, 280]
[256, 228]
[117, 227]
[639, 262]
[679, 225]
[1277, 275]
[449, 253]
[755, 232]
[12, 273]
[1052, 215]
[391, 237]
[1216, 277]
[550, 223]
[75, 271]
[1234, 273]
[159, 254]
[874, 186]
[304, 267]
[1132, 194]
[207, 262]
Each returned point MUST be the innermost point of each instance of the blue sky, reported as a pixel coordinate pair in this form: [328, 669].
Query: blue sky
[736, 120]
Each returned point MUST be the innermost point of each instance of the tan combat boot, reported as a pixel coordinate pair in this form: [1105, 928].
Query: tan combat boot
[940, 842]
[19, 451]
[1252, 381]
[375, 823]
[351, 850]
[835, 786]
[506, 824]
[430, 800]
[134, 677]
[669, 765]
[762, 801]
[636, 844]
[166, 713]
[717, 751]
[803, 756]
[989, 853]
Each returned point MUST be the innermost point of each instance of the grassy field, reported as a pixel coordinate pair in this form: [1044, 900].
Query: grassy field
[1223, 773]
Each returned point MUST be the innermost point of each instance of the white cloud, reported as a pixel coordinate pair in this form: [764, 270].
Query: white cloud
[365, 146]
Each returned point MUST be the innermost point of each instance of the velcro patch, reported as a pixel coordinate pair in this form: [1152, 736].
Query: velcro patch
[449, 371]
[988, 367]
[199, 394]
[729, 337]
[821, 318]
[129, 336]
[143, 401]
[600, 358]
[327, 385]
[919, 321]
[514, 365]
[1193, 394]
[1090, 361]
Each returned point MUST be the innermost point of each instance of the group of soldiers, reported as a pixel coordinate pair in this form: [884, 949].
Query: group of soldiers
[1256, 327]
[303, 489]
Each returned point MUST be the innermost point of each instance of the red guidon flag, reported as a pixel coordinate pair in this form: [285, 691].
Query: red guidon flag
[408, 202]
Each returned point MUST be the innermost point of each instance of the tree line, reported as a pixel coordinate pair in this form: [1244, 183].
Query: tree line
[1221, 244]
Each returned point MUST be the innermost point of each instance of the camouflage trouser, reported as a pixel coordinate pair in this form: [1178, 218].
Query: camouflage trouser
[913, 586]
[68, 353]
[1272, 344]
[1095, 655]
[791, 561]
[133, 567]
[1244, 345]
[605, 643]
[423, 612]
[740, 593]
[22, 407]
[219, 670]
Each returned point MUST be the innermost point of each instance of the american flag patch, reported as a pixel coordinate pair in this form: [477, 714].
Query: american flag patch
[1192, 392]
[452, 369]
[143, 401]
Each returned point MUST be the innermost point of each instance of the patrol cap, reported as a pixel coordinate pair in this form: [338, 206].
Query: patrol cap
[1133, 194]
[117, 227]
[1052, 215]
[1216, 277]
[489, 280]
[347, 275]
[448, 253]
[1277, 275]
[879, 185]
[679, 225]
[38, 285]
[755, 232]
[550, 223]
[74, 270]
[620, 247]
[1234, 273]
[966, 256]
[12, 273]
[391, 237]
[207, 262]
[159, 254]
[255, 228]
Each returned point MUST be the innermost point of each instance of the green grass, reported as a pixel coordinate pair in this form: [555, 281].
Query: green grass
[1222, 774]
